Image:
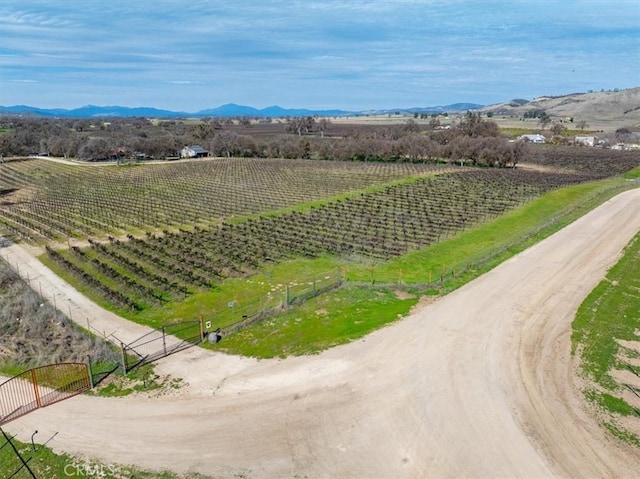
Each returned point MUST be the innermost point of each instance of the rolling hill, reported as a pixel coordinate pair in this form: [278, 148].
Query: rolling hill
[601, 110]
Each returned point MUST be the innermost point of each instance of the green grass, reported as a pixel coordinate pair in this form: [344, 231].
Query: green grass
[45, 464]
[325, 321]
[633, 174]
[514, 132]
[622, 434]
[9, 369]
[608, 314]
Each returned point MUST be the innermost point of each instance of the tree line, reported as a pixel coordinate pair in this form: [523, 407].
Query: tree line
[473, 140]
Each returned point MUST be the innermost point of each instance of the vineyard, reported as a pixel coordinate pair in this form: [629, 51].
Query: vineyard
[158, 234]
[41, 201]
[600, 163]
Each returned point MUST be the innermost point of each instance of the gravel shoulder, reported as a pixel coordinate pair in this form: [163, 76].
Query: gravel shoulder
[479, 384]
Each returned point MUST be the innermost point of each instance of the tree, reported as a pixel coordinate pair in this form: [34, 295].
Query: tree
[557, 129]
[300, 125]
[323, 125]
[582, 124]
[95, 149]
[544, 119]
[202, 131]
[474, 126]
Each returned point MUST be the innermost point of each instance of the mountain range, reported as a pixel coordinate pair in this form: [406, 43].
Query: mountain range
[228, 110]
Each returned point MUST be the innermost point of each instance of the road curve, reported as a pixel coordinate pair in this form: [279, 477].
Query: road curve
[478, 384]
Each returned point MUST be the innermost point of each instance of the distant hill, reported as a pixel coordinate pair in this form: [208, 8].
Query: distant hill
[90, 111]
[228, 110]
[599, 109]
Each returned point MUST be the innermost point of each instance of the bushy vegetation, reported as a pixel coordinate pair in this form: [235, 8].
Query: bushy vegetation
[33, 333]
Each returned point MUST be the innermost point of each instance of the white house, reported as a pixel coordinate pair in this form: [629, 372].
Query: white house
[195, 151]
[532, 138]
[585, 140]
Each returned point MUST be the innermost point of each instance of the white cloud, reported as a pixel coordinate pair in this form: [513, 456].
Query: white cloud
[199, 54]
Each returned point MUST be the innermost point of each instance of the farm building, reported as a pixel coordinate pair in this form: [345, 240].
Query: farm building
[195, 151]
[532, 138]
[585, 140]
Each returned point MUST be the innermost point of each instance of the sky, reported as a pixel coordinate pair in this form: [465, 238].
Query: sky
[322, 54]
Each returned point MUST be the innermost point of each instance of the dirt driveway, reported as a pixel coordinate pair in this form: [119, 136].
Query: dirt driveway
[478, 384]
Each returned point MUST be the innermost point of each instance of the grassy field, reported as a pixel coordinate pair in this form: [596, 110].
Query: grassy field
[610, 314]
[46, 464]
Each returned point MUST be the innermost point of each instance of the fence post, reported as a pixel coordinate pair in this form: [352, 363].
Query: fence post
[314, 287]
[90, 370]
[286, 297]
[201, 327]
[123, 357]
[164, 341]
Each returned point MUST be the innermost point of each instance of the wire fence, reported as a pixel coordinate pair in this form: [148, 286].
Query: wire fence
[157, 344]
[241, 314]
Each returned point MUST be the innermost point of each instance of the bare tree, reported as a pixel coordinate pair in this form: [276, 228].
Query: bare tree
[300, 125]
[544, 119]
[557, 129]
[323, 125]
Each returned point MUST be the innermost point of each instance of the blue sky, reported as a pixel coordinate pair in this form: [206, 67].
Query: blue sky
[347, 54]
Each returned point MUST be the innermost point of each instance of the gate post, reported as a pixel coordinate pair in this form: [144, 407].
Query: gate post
[90, 371]
[123, 357]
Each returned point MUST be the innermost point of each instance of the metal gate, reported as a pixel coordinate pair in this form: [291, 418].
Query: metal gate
[160, 343]
[40, 387]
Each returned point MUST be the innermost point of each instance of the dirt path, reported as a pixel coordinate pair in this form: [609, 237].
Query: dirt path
[477, 384]
[68, 299]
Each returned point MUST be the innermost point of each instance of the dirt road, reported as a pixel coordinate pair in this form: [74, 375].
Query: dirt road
[478, 384]
[69, 300]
